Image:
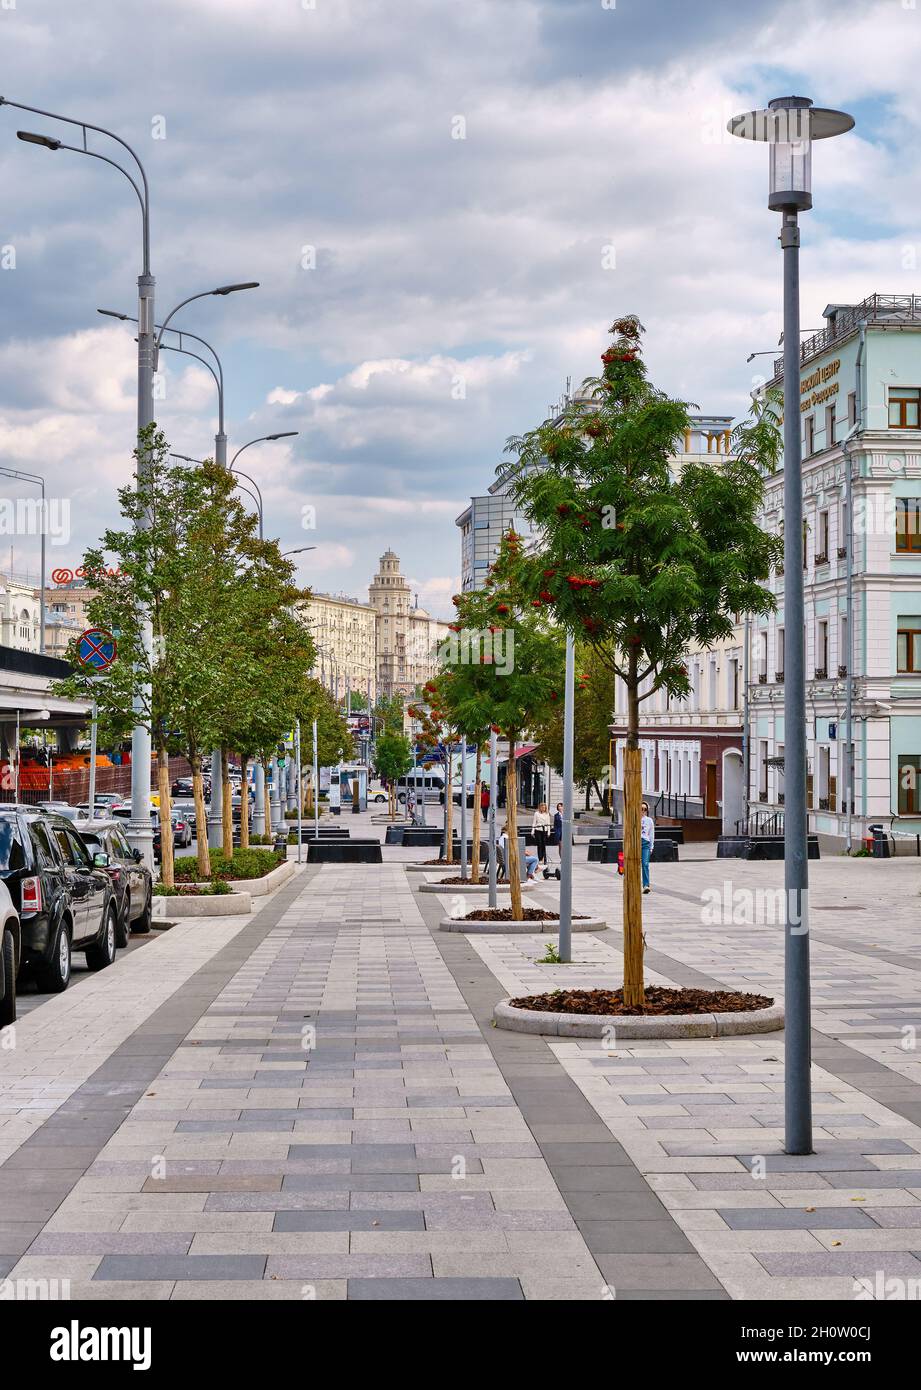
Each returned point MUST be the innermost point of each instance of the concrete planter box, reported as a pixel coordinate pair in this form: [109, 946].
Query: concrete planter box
[211, 905]
[626, 1028]
[520, 929]
[258, 887]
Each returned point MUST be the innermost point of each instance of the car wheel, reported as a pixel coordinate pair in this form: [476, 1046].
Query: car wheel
[142, 925]
[102, 952]
[380, 797]
[54, 975]
[124, 922]
[8, 1002]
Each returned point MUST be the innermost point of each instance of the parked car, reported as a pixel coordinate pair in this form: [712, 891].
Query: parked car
[65, 901]
[9, 956]
[59, 808]
[183, 787]
[183, 828]
[132, 881]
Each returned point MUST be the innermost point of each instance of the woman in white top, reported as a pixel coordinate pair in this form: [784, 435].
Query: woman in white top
[647, 840]
[540, 827]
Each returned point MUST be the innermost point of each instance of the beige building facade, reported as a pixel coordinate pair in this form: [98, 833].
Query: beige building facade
[407, 635]
[345, 632]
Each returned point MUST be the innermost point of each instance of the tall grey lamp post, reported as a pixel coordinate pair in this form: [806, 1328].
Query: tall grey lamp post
[789, 126]
[140, 831]
[565, 951]
[36, 478]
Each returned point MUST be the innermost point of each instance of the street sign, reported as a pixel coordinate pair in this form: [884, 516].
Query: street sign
[97, 649]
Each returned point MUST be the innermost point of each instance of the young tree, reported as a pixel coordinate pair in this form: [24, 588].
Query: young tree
[501, 671]
[637, 558]
[592, 724]
[392, 759]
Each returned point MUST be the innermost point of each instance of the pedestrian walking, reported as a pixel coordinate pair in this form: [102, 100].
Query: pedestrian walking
[411, 807]
[647, 840]
[540, 827]
[484, 801]
[558, 828]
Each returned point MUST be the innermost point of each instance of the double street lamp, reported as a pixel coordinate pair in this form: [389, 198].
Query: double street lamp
[789, 125]
[139, 829]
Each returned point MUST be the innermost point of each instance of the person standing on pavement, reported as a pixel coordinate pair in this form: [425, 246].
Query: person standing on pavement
[558, 829]
[411, 806]
[647, 840]
[540, 827]
[484, 801]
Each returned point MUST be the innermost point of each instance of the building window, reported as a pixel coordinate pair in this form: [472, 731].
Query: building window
[852, 408]
[822, 556]
[909, 797]
[908, 646]
[805, 545]
[829, 426]
[908, 523]
[821, 649]
[904, 407]
[810, 434]
[778, 674]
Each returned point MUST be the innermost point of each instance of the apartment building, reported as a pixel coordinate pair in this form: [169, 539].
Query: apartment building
[860, 403]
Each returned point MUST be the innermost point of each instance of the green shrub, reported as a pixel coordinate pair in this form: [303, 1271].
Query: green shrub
[244, 863]
[162, 890]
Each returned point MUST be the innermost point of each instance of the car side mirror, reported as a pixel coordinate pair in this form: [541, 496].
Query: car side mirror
[137, 856]
[100, 860]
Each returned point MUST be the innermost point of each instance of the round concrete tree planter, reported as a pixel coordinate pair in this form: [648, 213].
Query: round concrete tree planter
[449, 889]
[549, 926]
[627, 1027]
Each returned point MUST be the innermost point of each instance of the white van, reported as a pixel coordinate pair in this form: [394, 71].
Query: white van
[427, 782]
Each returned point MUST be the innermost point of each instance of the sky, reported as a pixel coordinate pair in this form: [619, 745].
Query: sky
[445, 203]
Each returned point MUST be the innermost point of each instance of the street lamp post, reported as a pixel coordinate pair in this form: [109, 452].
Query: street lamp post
[140, 832]
[789, 126]
[565, 949]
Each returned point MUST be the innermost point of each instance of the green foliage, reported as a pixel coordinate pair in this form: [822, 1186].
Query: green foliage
[593, 713]
[392, 756]
[388, 714]
[475, 690]
[244, 863]
[638, 559]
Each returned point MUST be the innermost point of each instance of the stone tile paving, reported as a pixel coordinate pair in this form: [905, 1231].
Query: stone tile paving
[333, 1125]
[703, 1121]
[324, 1111]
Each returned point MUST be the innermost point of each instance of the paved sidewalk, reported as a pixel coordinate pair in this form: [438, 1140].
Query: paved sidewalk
[311, 1103]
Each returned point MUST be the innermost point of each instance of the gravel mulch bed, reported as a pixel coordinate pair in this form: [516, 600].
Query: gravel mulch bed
[658, 1001]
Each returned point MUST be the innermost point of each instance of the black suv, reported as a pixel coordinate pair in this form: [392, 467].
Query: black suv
[64, 900]
[132, 881]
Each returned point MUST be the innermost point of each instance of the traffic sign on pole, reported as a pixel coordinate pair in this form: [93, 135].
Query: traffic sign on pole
[96, 649]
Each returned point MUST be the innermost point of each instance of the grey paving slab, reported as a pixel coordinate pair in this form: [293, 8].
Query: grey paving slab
[428, 1290]
[349, 1221]
[180, 1267]
[790, 1219]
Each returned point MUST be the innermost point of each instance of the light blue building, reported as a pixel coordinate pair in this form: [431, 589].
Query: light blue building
[860, 403]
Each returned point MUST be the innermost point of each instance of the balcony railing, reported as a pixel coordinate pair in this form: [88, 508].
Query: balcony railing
[893, 308]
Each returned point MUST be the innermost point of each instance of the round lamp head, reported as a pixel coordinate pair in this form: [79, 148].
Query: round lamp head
[789, 125]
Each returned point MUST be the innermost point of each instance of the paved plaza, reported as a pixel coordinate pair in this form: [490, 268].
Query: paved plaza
[311, 1102]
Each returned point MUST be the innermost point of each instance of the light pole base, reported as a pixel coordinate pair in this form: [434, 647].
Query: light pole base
[140, 836]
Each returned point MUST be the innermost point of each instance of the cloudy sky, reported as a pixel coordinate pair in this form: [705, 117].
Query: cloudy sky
[445, 202]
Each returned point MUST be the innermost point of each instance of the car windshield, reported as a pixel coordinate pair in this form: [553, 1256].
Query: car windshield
[12, 855]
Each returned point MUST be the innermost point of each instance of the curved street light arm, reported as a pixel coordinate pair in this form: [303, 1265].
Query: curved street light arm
[168, 347]
[101, 130]
[115, 165]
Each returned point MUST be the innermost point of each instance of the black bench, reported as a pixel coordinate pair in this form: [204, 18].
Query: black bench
[344, 852]
[606, 851]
